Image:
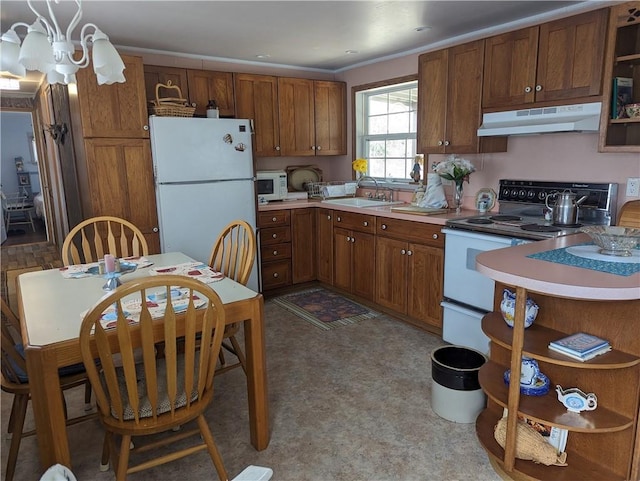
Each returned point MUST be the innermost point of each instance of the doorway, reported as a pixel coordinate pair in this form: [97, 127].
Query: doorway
[21, 181]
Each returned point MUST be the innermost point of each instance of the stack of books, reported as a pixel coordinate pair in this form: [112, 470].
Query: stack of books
[580, 346]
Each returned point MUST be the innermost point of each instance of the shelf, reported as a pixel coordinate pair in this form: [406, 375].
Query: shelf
[633, 58]
[547, 409]
[536, 342]
[625, 121]
[578, 466]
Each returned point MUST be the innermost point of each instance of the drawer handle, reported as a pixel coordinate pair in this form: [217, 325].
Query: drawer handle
[384, 227]
[440, 142]
[275, 274]
[538, 88]
[527, 89]
[409, 253]
[353, 239]
[339, 219]
[446, 142]
[365, 223]
[275, 253]
[328, 217]
[403, 252]
[274, 219]
[435, 236]
[348, 239]
[275, 236]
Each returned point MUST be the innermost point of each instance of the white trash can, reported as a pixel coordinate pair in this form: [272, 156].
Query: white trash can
[455, 391]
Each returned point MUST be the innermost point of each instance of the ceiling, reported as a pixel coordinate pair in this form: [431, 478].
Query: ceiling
[302, 34]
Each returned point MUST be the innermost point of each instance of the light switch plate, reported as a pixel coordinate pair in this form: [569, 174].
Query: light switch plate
[633, 187]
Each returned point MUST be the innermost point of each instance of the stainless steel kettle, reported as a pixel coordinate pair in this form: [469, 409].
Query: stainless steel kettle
[565, 209]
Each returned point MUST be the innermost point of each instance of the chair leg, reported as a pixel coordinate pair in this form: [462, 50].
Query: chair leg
[239, 353]
[106, 451]
[18, 413]
[123, 458]
[87, 397]
[205, 432]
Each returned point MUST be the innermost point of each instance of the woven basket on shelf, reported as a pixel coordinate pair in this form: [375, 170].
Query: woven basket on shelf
[530, 444]
[171, 106]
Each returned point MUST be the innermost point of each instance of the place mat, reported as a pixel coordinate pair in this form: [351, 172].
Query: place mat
[323, 308]
[196, 270]
[613, 265]
[78, 271]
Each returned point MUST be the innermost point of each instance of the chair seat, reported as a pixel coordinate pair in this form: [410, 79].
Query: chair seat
[22, 378]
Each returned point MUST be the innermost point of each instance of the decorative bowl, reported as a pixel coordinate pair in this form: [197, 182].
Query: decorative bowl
[632, 110]
[508, 307]
[613, 240]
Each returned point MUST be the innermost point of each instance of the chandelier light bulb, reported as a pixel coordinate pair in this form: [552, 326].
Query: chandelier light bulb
[36, 52]
[9, 53]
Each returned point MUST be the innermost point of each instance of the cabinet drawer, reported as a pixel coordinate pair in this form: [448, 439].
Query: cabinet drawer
[273, 218]
[276, 274]
[275, 235]
[275, 252]
[358, 222]
[411, 231]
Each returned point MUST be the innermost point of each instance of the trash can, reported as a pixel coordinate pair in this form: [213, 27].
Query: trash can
[455, 391]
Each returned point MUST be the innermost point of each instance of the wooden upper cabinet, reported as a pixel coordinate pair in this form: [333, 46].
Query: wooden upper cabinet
[154, 74]
[449, 97]
[312, 117]
[257, 99]
[555, 61]
[297, 116]
[205, 85]
[330, 118]
[116, 110]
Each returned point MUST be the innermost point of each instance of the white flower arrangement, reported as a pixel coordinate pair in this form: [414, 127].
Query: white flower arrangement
[455, 169]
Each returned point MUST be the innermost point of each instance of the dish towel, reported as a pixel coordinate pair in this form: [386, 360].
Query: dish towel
[334, 191]
[434, 194]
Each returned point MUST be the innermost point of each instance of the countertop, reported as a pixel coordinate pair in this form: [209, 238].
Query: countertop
[383, 211]
[512, 266]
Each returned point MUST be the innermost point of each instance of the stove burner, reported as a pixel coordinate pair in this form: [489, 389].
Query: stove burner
[540, 228]
[568, 226]
[481, 220]
[505, 218]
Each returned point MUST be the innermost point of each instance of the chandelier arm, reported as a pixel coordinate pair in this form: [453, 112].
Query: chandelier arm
[84, 39]
[43, 20]
[75, 20]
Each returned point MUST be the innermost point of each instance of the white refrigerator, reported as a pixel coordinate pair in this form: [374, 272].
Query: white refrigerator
[204, 179]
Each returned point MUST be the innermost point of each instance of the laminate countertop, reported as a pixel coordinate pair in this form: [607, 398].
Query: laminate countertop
[512, 266]
[382, 211]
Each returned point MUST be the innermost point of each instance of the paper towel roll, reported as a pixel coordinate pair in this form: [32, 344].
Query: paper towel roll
[434, 194]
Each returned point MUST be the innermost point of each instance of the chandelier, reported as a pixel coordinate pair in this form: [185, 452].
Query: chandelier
[48, 49]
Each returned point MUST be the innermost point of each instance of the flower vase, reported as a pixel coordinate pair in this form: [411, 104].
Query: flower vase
[457, 196]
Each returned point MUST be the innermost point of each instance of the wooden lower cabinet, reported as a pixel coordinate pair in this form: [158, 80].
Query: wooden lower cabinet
[303, 245]
[275, 248]
[409, 275]
[324, 245]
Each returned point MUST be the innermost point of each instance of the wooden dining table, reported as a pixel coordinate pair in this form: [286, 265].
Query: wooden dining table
[51, 309]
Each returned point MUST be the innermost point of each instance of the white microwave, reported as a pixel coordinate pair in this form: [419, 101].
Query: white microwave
[271, 185]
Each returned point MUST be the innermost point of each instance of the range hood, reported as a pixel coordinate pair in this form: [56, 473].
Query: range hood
[566, 118]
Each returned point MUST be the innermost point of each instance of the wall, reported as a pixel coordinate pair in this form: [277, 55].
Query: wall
[15, 129]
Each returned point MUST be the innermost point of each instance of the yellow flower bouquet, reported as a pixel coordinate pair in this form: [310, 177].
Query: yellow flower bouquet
[360, 166]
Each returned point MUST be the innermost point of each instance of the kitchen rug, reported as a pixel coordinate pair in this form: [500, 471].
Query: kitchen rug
[324, 309]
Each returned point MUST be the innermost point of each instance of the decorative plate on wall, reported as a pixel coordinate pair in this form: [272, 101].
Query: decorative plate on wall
[300, 175]
[487, 195]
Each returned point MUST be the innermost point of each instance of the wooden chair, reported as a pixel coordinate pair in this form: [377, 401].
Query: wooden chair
[17, 209]
[138, 397]
[234, 254]
[630, 214]
[15, 381]
[92, 238]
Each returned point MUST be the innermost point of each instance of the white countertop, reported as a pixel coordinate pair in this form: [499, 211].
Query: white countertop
[512, 266]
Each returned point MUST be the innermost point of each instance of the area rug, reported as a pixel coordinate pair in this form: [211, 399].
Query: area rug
[323, 308]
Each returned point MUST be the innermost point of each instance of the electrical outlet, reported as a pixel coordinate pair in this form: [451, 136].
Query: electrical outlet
[633, 187]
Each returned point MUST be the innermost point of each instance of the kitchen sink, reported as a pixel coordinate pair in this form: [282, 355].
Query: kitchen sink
[360, 202]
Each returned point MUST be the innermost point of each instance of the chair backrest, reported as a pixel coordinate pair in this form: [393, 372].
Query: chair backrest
[14, 366]
[133, 383]
[630, 214]
[92, 238]
[14, 201]
[234, 251]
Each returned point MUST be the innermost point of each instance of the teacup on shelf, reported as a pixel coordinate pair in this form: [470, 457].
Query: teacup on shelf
[508, 307]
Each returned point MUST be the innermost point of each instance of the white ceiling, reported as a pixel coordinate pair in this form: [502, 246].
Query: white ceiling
[302, 34]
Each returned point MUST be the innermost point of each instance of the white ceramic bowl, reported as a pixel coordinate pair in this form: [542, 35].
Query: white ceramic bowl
[613, 240]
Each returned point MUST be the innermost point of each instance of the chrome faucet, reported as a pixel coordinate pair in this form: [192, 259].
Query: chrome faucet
[370, 178]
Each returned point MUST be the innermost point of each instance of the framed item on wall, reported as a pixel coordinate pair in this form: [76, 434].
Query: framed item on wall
[19, 164]
[23, 179]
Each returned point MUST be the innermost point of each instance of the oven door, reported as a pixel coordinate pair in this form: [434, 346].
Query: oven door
[462, 282]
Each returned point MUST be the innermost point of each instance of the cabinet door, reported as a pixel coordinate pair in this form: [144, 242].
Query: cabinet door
[324, 245]
[330, 118]
[257, 99]
[391, 274]
[120, 176]
[464, 97]
[364, 275]
[117, 110]
[303, 229]
[510, 68]
[571, 56]
[205, 85]
[432, 101]
[425, 284]
[154, 74]
[296, 114]
[342, 259]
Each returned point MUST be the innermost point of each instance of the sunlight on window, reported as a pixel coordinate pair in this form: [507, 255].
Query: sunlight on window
[386, 129]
